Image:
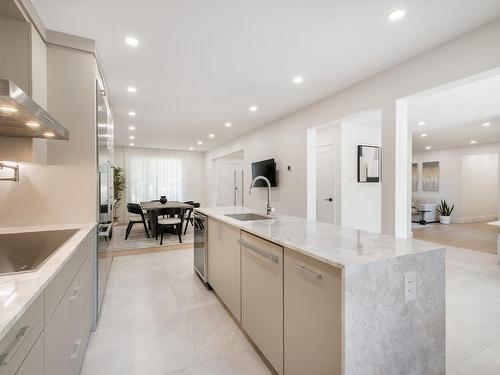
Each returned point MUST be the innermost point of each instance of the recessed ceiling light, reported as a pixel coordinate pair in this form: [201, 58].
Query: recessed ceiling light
[298, 80]
[191, 148]
[131, 137]
[48, 134]
[131, 41]
[486, 124]
[396, 15]
[131, 89]
[200, 142]
[8, 109]
[421, 123]
[211, 135]
[132, 113]
[228, 124]
[473, 142]
[131, 128]
[253, 108]
[130, 144]
[423, 135]
[428, 147]
[34, 124]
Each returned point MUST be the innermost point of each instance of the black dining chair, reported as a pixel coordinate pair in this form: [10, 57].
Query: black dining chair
[174, 217]
[137, 216]
[188, 215]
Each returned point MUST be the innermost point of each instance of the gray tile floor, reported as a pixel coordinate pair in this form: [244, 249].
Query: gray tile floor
[159, 319]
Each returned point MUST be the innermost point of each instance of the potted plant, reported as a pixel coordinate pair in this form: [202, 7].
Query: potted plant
[118, 188]
[444, 212]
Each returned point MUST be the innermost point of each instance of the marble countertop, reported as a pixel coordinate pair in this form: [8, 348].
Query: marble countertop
[19, 291]
[338, 246]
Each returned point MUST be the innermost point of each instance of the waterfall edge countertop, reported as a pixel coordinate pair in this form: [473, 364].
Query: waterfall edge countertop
[332, 244]
[18, 291]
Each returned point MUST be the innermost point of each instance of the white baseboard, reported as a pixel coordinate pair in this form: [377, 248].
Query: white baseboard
[475, 219]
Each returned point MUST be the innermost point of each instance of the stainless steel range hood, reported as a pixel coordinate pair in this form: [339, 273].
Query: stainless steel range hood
[20, 116]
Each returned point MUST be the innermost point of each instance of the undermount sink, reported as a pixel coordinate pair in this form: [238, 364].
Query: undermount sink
[26, 251]
[248, 217]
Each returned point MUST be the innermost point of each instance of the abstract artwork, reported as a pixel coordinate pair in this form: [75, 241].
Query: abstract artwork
[369, 166]
[414, 177]
[430, 176]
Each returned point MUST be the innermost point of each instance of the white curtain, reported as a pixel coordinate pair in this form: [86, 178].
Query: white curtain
[151, 173]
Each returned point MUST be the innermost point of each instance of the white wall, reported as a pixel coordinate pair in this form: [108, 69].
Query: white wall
[64, 190]
[286, 138]
[361, 202]
[193, 177]
[468, 179]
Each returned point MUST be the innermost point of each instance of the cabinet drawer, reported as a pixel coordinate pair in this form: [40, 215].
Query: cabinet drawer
[15, 346]
[58, 286]
[313, 315]
[59, 332]
[33, 364]
[262, 296]
[80, 340]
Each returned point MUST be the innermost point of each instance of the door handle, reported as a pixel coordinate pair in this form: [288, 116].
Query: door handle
[329, 199]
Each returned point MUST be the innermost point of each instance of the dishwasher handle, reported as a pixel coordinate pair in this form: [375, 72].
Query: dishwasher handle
[272, 257]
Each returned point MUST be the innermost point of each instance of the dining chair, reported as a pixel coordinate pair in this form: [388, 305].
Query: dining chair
[174, 217]
[188, 215]
[136, 216]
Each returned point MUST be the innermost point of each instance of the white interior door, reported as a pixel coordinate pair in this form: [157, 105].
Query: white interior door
[325, 184]
[229, 181]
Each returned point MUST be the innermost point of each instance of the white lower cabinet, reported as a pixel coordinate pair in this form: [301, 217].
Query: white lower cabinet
[215, 255]
[60, 331]
[37, 345]
[262, 296]
[33, 364]
[312, 316]
[230, 288]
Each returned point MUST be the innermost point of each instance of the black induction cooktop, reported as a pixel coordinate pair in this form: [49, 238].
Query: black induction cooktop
[24, 252]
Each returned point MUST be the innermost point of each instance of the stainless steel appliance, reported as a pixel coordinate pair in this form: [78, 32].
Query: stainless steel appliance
[26, 251]
[201, 245]
[104, 253]
[21, 116]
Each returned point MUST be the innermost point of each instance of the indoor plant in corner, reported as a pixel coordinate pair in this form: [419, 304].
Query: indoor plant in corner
[118, 188]
[444, 212]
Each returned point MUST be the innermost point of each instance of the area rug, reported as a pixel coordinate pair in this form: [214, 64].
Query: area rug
[138, 239]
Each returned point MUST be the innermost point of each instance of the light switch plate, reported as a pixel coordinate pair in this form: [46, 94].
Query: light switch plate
[410, 285]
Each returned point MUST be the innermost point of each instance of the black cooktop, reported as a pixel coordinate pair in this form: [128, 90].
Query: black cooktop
[21, 252]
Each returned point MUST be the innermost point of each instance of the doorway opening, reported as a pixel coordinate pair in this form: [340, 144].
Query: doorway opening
[335, 192]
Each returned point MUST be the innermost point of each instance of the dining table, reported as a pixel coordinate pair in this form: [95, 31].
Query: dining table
[152, 208]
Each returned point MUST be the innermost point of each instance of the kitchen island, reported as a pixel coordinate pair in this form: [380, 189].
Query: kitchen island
[322, 299]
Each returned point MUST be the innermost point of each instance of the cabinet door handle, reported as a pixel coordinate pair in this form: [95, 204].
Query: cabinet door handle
[76, 349]
[12, 348]
[74, 296]
[310, 272]
[272, 257]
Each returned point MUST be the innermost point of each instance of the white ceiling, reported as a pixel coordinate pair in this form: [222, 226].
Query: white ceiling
[455, 116]
[202, 63]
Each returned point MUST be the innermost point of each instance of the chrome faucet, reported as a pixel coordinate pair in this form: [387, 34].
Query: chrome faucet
[269, 209]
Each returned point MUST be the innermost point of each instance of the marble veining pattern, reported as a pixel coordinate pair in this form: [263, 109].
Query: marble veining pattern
[18, 291]
[338, 246]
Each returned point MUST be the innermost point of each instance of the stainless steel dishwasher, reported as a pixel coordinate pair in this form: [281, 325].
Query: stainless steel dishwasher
[201, 245]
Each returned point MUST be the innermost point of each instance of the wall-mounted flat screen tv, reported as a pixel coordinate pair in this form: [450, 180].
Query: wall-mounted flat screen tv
[266, 168]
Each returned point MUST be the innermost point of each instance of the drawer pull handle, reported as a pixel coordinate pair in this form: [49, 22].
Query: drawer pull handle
[310, 272]
[74, 296]
[12, 349]
[76, 349]
[272, 257]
